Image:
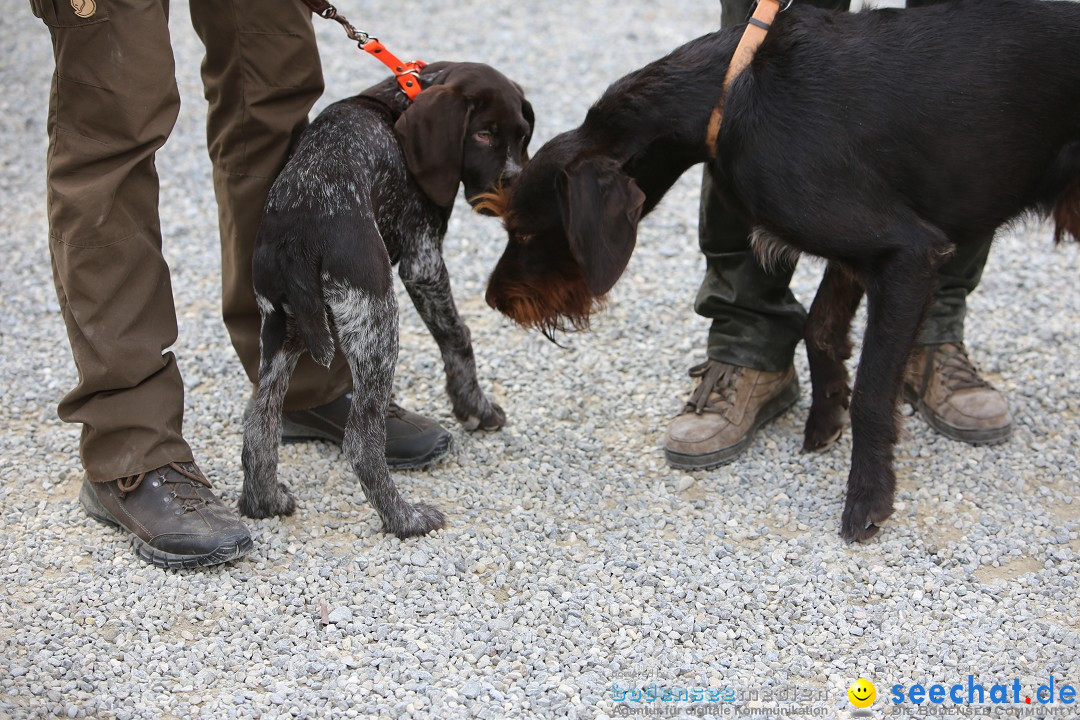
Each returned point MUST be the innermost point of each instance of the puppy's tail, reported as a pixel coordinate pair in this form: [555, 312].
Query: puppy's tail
[314, 328]
[308, 310]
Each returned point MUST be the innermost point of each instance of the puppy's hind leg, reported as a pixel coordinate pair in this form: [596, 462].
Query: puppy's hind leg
[280, 348]
[828, 346]
[368, 330]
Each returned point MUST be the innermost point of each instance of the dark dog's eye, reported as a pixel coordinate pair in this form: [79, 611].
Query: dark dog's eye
[484, 137]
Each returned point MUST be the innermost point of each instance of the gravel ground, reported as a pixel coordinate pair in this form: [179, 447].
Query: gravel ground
[575, 558]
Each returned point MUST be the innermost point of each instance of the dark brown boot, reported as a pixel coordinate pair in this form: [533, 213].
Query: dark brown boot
[174, 518]
[412, 440]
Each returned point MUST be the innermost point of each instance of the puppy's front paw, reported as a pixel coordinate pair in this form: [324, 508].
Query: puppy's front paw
[280, 502]
[491, 418]
[420, 519]
[862, 517]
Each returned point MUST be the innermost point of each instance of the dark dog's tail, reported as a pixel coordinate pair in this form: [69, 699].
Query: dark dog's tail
[1062, 185]
[1067, 214]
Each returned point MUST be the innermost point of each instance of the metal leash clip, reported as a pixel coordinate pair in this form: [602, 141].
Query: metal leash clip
[407, 73]
[784, 5]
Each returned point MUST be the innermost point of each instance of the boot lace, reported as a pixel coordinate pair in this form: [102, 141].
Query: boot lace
[716, 391]
[185, 477]
[394, 410]
[957, 370]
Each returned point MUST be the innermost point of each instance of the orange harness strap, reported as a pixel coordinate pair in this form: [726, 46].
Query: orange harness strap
[757, 28]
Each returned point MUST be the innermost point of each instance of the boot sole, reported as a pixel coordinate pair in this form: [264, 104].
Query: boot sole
[977, 437]
[223, 553]
[294, 433]
[707, 461]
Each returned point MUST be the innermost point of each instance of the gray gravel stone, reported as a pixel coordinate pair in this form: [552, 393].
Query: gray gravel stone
[340, 615]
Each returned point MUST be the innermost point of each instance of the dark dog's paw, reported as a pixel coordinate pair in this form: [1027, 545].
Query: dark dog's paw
[280, 502]
[491, 418]
[824, 425]
[862, 517]
[420, 519]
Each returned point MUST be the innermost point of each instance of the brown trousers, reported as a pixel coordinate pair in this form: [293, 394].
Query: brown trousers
[113, 103]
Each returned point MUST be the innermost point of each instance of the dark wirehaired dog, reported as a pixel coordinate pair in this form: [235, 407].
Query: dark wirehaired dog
[877, 140]
[371, 184]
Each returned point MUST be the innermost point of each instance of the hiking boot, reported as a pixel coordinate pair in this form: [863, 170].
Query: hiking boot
[724, 411]
[173, 517]
[412, 440]
[944, 386]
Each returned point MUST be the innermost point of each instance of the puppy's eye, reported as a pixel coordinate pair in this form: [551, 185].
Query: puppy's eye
[484, 137]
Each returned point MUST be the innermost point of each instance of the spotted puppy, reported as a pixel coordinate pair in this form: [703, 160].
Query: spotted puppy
[371, 184]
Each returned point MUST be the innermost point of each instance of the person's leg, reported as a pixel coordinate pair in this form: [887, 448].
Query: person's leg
[957, 279]
[748, 378]
[756, 320]
[108, 114]
[261, 75]
[941, 380]
[113, 104]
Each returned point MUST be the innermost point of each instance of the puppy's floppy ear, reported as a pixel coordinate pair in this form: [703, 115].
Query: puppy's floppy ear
[600, 206]
[432, 134]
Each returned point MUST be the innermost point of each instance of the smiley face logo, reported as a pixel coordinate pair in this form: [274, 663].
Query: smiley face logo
[862, 693]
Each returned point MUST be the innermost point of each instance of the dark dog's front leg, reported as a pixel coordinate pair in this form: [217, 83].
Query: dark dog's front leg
[428, 284]
[828, 346]
[898, 291]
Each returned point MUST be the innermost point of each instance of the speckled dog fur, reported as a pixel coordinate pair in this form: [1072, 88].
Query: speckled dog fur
[371, 184]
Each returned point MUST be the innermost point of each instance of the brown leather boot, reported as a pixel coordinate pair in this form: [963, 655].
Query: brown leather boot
[945, 387]
[174, 518]
[724, 411]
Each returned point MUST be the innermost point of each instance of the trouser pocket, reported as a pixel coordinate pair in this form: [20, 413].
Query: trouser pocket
[70, 13]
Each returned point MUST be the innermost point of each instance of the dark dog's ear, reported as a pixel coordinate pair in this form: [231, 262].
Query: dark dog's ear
[432, 134]
[600, 206]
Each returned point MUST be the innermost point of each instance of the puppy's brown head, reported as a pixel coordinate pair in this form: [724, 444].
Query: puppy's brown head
[572, 224]
[470, 125]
